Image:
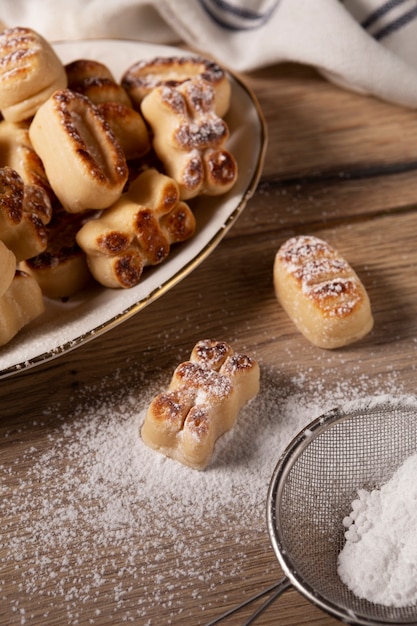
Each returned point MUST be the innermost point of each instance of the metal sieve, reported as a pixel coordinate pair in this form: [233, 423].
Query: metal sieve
[313, 485]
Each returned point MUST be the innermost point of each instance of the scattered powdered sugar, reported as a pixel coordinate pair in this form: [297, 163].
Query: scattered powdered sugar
[379, 559]
[99, 516]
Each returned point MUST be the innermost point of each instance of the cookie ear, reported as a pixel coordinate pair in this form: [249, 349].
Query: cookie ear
[321, 293]
[30, 72]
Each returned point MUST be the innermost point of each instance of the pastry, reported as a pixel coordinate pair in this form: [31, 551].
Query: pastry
[201, 403]
[24, 212]
[321, 293]
[61, 270]
[154, 189]
[129, 128]
[189, 138]
[138, 230]
[30, 71]
[21, 303]
[83, 70]
[83, 160]
[8, 267]
[94, 80]
[16, 151]
[142, 77]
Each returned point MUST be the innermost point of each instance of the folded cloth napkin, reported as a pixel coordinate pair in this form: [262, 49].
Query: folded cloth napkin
[369, 46]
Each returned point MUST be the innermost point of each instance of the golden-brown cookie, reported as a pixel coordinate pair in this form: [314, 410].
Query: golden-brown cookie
[8, 267]
[321, 293]
[143, 76]
[16, 151]
[129, 128]
[189, 138]
[138, 230]
[94, 80]
[83, 160]
[20, 304]
[201, 403]
[61, 270]
[24, 212]
[30, 71]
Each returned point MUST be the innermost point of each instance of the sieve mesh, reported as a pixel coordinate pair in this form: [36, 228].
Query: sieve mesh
[312, 490]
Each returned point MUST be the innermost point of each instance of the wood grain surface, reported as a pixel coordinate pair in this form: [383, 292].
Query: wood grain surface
[339, 165]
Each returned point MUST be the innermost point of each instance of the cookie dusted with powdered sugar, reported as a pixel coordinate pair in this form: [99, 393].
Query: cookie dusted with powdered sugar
[190, 138]
[321, 293]
[30, 71]
[94, 80]
[201, 403]
[144, 75]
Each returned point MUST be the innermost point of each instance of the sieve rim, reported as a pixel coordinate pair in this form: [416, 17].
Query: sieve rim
[282, 468]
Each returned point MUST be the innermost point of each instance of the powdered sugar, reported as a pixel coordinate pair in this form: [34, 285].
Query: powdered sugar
[311, 259]
[379, 559]
[98, 512]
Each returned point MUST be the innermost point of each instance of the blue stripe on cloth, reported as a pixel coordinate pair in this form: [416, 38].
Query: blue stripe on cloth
[380, 12]
[236, 18]
[396, 24]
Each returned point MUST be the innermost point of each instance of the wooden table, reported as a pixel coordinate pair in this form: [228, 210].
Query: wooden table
[339, 165]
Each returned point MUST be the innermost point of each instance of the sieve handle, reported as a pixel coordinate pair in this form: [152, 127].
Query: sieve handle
[275, 590]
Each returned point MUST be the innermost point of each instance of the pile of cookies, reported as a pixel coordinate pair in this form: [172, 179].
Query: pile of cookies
[96, 175]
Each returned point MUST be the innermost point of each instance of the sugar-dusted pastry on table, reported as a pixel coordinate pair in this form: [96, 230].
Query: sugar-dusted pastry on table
[321, 292]
[201, 403]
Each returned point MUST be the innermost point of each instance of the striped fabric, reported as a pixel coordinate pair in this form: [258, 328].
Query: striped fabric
[384, 19]
[239, 15]
[369, 46]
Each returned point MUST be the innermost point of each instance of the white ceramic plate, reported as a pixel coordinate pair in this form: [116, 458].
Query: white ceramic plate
[65, 326]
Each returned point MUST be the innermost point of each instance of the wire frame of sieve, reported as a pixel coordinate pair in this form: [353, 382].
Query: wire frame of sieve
[311, 491]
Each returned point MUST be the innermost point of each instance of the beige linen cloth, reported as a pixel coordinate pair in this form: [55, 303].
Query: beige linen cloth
[368, 46]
